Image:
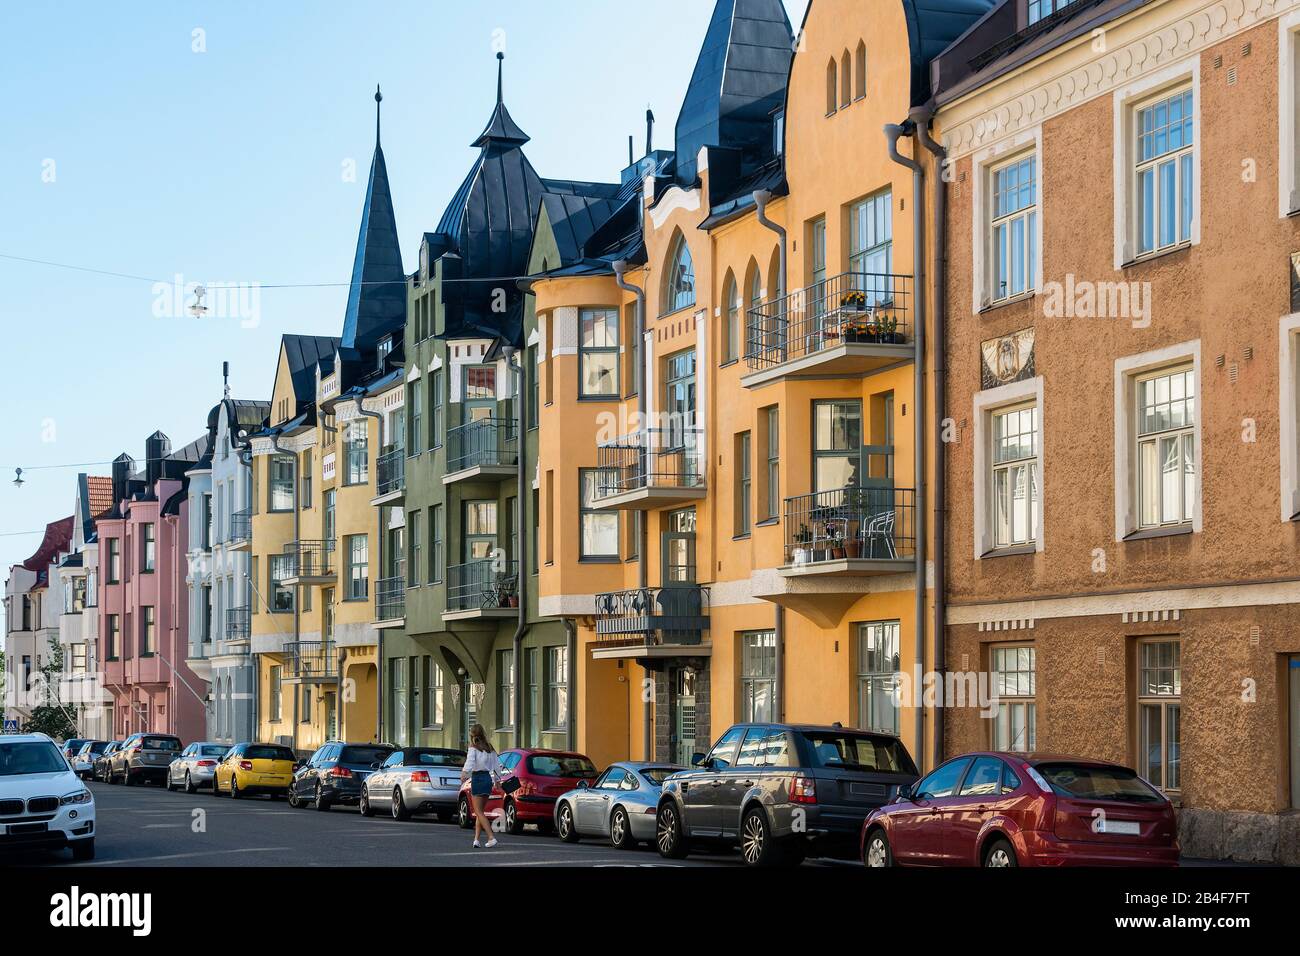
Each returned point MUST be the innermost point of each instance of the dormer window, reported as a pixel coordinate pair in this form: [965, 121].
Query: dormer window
[385, 348]
[778, 132]
[1038, 9]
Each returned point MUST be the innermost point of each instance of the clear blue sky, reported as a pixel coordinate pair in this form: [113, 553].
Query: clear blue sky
[226, 166]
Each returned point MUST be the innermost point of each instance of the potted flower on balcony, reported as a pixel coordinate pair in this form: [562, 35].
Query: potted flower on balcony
[854, 301]
[859, 330]
[885, 327]
[834, 543]
[802, 538]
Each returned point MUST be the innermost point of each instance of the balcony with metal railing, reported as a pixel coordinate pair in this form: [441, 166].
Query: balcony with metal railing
[488, 588]
[390, 477]
[484, 449]
[850, 324]
[310, 562]
[644, 623]
[649, 469]
[311, 662]
[241, 530]
[390, 601]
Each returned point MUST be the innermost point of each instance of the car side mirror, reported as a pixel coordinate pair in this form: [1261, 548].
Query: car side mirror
[906, 792]
[583, 785]
[697, 760]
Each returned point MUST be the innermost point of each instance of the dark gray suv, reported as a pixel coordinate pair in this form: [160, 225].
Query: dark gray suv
[782, 792]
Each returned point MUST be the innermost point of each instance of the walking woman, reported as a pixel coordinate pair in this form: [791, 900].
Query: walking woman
[482, 768]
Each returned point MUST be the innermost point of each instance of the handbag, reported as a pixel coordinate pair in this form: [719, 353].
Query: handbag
[510, 784]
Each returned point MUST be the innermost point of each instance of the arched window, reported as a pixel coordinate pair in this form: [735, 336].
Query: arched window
[755, 286]
[679, 285]
[860, 71]
[832, 87]
[774, 276]
[731, 323]
[846, 79]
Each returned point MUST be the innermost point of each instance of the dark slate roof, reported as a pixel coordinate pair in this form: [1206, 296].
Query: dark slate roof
[501, 128]
[304, 352]
[931, 26]
[377, 295]
[740, 77]
[738, 196]
[574, 219]
[58, 536]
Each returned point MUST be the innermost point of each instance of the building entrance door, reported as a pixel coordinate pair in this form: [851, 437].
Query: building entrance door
[683, 716]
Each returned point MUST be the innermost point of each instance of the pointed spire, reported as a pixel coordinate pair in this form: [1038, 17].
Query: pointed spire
[501, 129]
[379, 98]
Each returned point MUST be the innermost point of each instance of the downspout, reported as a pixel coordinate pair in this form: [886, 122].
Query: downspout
[892, 134]
[379, 551]
[922, 118]
[761, 198]
[246, 458]
[521, 475]
[571, 675]
[297, 604]
[638, 376]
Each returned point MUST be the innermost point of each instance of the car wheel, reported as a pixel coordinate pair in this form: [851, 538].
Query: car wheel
[189, 783]
[83, 850]
[1000, 854]
[513, 823]
[234, 788]
[126, 778]
[464, 816]
[294, 800]
[620, 830]
[877, 852]
[668, 833]
[319, 802]
[565, 827]
[399, 806]
[366, 809]
[758, 847]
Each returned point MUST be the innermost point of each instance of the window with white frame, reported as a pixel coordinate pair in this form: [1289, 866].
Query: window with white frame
[358, 570]
[1163, 177]
[1165, 439]
[598, 351]
[758, 676]
[357, 454]
[1013, 227]
[878, 668]
[1160, 690]
[1012, 668]
[505, 689]
[1014, 481]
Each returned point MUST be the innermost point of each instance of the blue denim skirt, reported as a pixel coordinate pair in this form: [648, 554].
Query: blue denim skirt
[480, 783]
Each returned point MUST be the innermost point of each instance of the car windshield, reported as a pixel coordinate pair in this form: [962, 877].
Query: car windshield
[215, 750]
[74, 744]
[1086, 782]
[94, 748]
[553, 765]
[159, 743]
[267, 752]
[365, 756]
[33, 757]
[848, 751]
[657, 775]
[436, 758]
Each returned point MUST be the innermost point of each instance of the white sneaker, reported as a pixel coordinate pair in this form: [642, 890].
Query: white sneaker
[491, 843]
[477, 847]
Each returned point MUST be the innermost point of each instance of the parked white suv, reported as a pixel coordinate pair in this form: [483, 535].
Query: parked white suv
[42, 802]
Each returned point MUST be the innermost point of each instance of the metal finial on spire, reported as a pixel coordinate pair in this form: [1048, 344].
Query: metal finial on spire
[501, 59]
[379, 98]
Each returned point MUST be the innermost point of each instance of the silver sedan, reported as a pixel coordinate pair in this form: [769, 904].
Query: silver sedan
[415, 780]
[620, 805]
[195, 766]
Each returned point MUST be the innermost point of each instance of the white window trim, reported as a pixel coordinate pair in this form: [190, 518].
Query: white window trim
[1124, 153]
[983, 162]
[986, 403]
[1289, 413]
[1288, 191]
[1127, 370]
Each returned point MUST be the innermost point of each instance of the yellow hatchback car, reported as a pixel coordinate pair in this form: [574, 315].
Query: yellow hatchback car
[248, 769]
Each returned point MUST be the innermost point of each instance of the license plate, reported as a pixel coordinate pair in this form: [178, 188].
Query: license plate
[451, 781]
[1127, 827]
[18, 828]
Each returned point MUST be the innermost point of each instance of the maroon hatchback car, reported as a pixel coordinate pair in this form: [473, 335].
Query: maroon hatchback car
[543, 775]
[1006, 809]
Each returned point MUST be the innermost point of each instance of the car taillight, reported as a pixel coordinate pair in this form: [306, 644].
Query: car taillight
[245, 765]
[340, 772]
[803, 790]
[420, 776]
[207, 763]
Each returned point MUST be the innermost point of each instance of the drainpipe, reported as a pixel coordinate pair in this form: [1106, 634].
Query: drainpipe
[297, 605]
[922, 119]
[571, 641]
[379, 550]
[246, 458]
[521, 475]
[761, 198]
[892, 134]
[620, 270]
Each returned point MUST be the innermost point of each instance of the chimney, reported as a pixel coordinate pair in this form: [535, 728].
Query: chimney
[649, 131]
[123, 465]
[156, 447]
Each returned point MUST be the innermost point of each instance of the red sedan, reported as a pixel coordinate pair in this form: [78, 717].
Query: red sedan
[543, 775]
[1006, 809]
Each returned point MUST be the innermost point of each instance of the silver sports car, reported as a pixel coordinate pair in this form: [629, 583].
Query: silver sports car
[415, 780]
[619, 805]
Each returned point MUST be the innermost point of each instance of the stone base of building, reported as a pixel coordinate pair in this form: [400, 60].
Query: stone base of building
[1240, 837]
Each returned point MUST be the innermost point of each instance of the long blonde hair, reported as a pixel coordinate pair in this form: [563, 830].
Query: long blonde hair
[478, 739]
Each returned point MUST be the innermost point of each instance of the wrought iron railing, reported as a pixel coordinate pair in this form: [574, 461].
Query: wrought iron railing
[310, 559]
[483, 585]
[874, 524]
[483, 443]
[390, 598]
[1038, 27]
[652, 458]
[390, 472]
[238, 624]
[652, 616]
[863, 308]
[241, 525]
[312, 660]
